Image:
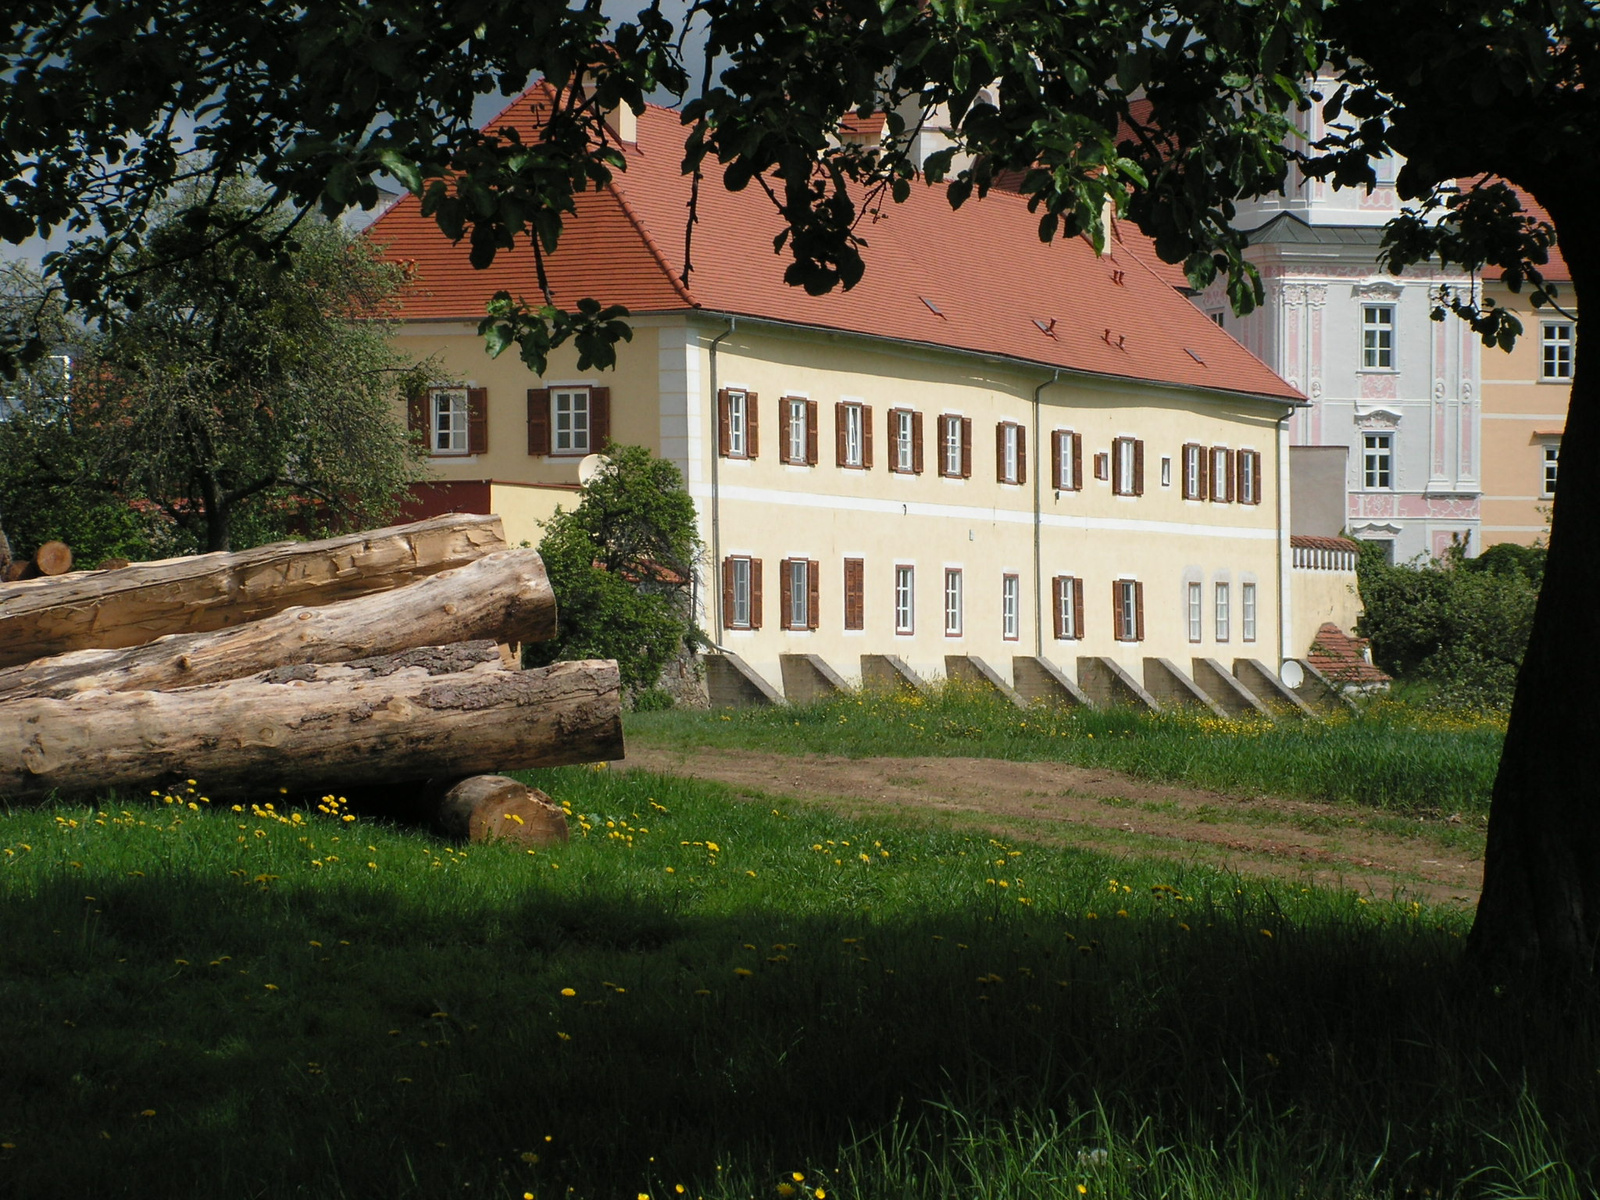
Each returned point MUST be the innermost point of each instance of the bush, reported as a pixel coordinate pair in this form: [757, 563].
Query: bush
[1459, 625]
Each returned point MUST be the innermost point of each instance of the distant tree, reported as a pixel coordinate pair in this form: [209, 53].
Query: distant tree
[621, 564]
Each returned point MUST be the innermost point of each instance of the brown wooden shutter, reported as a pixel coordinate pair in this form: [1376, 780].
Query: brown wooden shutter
[1119, 485]
[784, 429]
[724, 434]
[1138, 467]
[966, 447]
[727, 592]
[1205, 473]
[755, 593]
[943, 426]
[1022, 455]
[786, 594]
[1138, 611]
[892, 439]
[752, 439]
[1116, 609]
[1077, 462]
[854, 587]
[839, 439]
[599, 418]
[1077, 608]
[1055, 599]
[866, 436]
[813, 591]
[1000, 452]
[477, 420]
[811, 433]
[417, 414]
[1189, 450]
[1255, 475]
[538, 420]
[916, 443]
[1057, 456]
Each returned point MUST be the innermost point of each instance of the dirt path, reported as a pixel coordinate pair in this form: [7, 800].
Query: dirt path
[1337, 845]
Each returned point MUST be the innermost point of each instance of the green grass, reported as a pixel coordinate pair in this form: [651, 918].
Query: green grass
[192, 1006]
[1388, 755]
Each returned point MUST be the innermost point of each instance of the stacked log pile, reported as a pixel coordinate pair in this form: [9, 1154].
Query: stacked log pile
[384, 660]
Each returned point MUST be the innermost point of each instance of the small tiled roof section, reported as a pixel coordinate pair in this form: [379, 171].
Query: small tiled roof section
[1339, 656]
[974, 279]
[1309, 541]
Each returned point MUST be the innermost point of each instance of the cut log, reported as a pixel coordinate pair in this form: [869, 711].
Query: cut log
[53, 558]
[503, 596]
[348, 727]
[137, 604]
[488, 807]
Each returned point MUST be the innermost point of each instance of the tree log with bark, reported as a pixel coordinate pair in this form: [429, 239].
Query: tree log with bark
[301, 727]
[504, 596]
[136, 604]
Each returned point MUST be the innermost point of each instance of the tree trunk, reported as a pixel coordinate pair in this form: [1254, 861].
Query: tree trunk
[504, 596]
[135, 605]
[488, 807]
[1540, 906]
[344, 727]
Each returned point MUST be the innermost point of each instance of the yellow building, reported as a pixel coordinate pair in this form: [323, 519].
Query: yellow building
[990, 449]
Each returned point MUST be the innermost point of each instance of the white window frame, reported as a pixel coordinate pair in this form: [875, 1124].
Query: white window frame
[1552, 468]
[450, 404]
[569, 404]
[1192, 472]
[1128, 610]
[1011, 607]
[1377, 461]
[798, 617]
[1012, 451]
[1377, 337]
[952, 602]
[799, 434]
[1221, 604]
[738, 424]
[1555, 351]
[953, 458]
[1247, 612]
[1221, 457]
[741, 593]
[1125, 461]
[904, 444]
[1066, 618]
[854, 434]
[905, 599]
[1195, 611]
[1249, 485]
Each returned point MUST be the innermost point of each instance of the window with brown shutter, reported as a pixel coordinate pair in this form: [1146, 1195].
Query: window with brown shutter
[724, 433]
[949, 446]
[1193, 471]
[855, 609]
[1066, 602]
[852, 425]
[813, 592]
[786, 594]
[741, 592]
[727, 591]
[786, 429]
[1221, 475]
[736, 423]
[1102, 465]
[1127, 466]
[1249, 474]
[1127, 609]
[599, 418]
[905, 441]
[1057, 588]
[477, 420]
[538, 420]
[1066, 460]
[1011, 453]
[840, 450]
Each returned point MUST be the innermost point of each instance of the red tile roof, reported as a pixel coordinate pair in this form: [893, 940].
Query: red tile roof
[1312, 541]
[1340, 657]
[981, 266]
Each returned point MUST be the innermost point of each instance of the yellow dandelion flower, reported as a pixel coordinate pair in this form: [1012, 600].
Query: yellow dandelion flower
[742, 972]
[565, 1037]
[786, 1190]
[798, 1176]
[568, 992]
[1082, 1190]
[149, 1112]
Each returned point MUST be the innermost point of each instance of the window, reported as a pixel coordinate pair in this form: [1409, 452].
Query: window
[1221, 475]
[1127, 600]
[568, 420]
[904, 594]
[1066, 599]
[952, 602]
[1377, 337]
[1102, 465]
[800, 581]
[905, 432]
[955, 446]
[1552, 462]
[1127, 466]
[852, 426]
[797, 431]
[854, 586]
[736, 423]
[1377, 460]
[1010, 452]
[1247, 611]
[1220, 609]
[447, 423]
[1166, 472]
[1555, 341]
[1195, 613]
[1066, 460]
[570, 407]
[1194, 471]
[1010, 607]
[1216, 317]
[1248, 472]
[741, 592]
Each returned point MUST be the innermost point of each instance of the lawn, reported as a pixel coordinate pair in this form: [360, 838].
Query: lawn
[206, 1001]
[1386, 754]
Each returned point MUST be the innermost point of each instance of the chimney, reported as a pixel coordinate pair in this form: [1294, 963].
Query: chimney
[624, 123]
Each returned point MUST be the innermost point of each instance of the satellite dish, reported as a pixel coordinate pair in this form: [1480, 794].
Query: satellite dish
[1291, 673]
[589, 466]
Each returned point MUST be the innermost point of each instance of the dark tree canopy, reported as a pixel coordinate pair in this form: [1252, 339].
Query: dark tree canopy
[1171, 111]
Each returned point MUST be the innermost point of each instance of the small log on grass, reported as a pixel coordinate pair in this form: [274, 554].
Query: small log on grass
[139, 603]
[503, 596]
[485, 807]
[347, 726]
